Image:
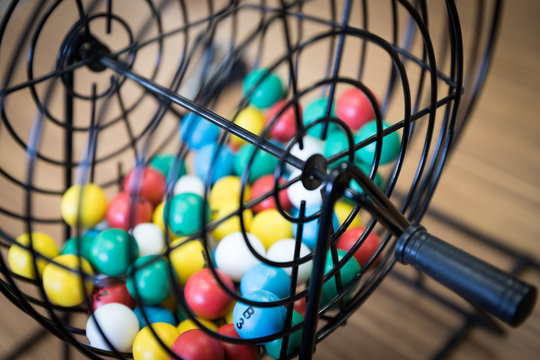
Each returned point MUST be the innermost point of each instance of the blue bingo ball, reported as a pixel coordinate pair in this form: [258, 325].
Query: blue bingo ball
[265, 277]
[155, 314]
[223, 166]
[254, 322]
[197, 131]
[311, 229]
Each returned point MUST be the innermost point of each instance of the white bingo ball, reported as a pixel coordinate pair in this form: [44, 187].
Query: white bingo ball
[283, 251]
[297, 192]
[311, 146]
[233, 256]
[119, 324]
[189, 184]
[150, 239]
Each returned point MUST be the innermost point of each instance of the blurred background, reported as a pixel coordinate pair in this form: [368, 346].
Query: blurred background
[489, 191]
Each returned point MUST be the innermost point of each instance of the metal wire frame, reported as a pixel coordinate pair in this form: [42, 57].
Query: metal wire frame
[422, 186]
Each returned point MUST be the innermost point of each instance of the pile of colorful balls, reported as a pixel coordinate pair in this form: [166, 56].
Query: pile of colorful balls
[143, 258]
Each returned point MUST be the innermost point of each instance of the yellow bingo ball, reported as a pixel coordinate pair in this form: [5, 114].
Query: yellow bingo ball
[189, 324]
[232, 224]
[342, 210]
[90, 208]
[269, 226]
[20, 260]
[64, 287]
[157, 218]
[250, 119]
[227, 190]
[147, 347]
[187, 259]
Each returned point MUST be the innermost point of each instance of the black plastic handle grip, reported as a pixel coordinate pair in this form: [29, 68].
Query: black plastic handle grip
[478, 282]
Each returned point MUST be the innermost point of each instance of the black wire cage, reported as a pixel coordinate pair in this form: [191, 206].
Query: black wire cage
[96, 92]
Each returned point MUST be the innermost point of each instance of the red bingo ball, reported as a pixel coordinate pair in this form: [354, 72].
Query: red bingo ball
[366, 250]
[236, 351]
[114, 293]
[195, 344]
[284, 128]
[300, 306]
[263, 185]
[119, 211]
[354, 108]
[150, 181]
[205, 296]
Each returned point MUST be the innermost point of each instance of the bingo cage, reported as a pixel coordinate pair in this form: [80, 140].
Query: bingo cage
[231, 179]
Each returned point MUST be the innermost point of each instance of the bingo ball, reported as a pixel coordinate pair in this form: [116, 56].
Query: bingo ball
[264, 185]
[264, 277]
[343, 210]
[310, 229]
[337, 142]
[391, 144]
[84, 243]
[120, 213]
[154, 314]
[250, 119]
[263, 163]
[146, 346]
[148, 280]
[197, 132]
[264, 89]
[189, 324]
[232, 223]
[65, 287]
[370, 245]
[195, 344]
[254, 322]
[273, 348]
[205, 295]
[86, 209]
[298, 193]
[237, 351]
[270, 226]
[117, 322]
[113, 251]
[233, 256]
[283, 251]
[183, 214]
[354, 108]
[300, 306]
[227, 190]
[284, 127]
[189, 184]
[206, 161]
[187, 258]
[114, 293]
[164, 163]
[149, 182]
[316, 110]
[21, 260]
[150, 239]
[347, 272]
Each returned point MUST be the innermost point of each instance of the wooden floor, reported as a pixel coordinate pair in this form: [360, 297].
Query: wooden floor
[491, 185]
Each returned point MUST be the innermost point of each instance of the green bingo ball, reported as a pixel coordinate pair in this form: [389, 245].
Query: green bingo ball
[316, 110]
[263, 163]
[268, 92]
[148, 280]
[336, 142]
[163, 163]
[390, 146]
[112, 252]
[183, 213]
[273, 348]
[71, 246]
[347, 273]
